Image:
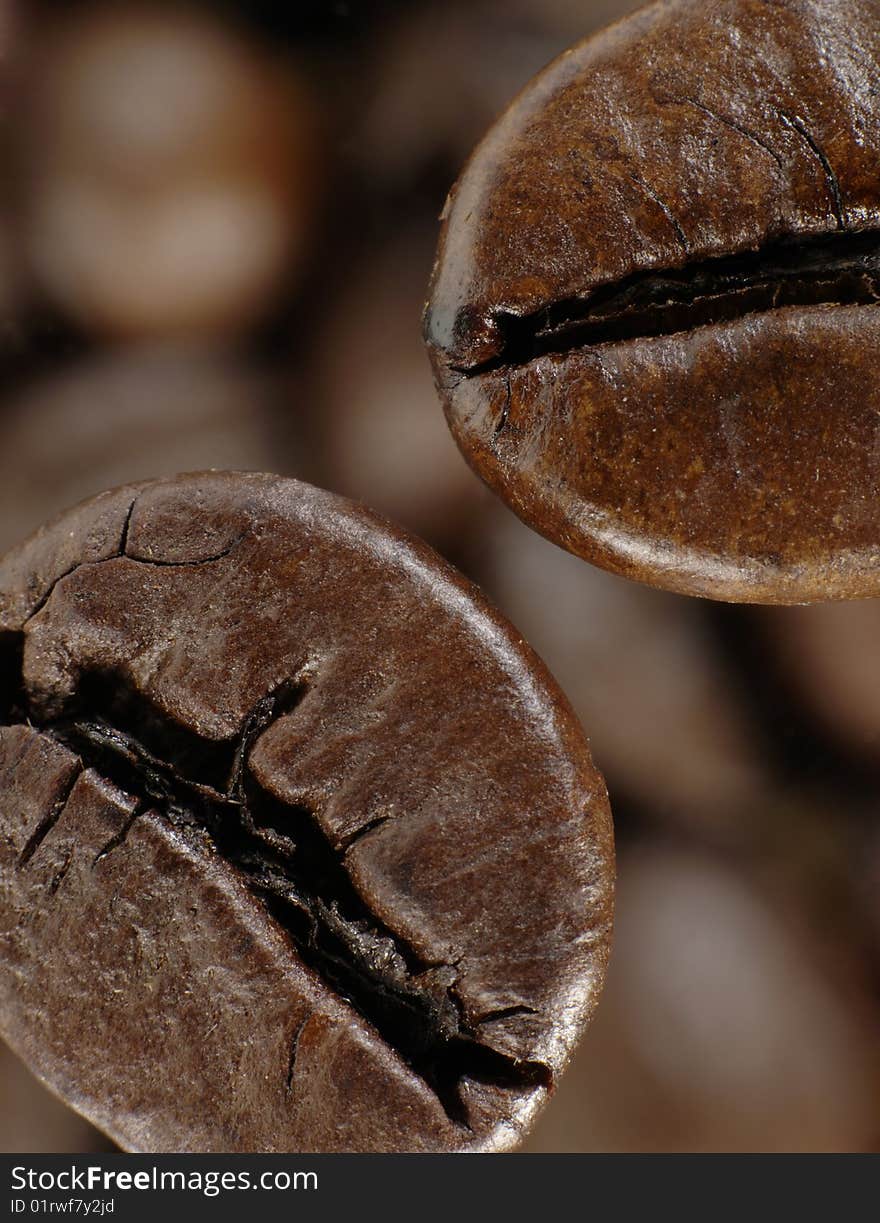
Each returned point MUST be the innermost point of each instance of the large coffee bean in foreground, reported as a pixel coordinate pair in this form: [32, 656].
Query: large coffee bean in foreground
[300, 846]
[654, 313]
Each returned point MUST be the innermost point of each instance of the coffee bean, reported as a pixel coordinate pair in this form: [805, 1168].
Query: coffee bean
[301, 847]
[167, 171]
[653, 317]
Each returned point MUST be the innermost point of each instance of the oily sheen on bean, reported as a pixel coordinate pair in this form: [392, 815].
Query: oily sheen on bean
[653, 318]
[301, 849]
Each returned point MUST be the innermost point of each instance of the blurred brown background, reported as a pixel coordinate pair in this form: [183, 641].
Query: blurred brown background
[217, 227]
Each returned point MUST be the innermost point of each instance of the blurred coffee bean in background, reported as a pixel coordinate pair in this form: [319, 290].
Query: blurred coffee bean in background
[217, 223]
[445, 71]
[829, 656]
[641, 669]
[168, 171]
[720, 1030]
[130, 414]
[380, 433]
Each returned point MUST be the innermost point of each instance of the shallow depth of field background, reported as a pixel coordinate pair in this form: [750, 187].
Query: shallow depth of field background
[217, 228]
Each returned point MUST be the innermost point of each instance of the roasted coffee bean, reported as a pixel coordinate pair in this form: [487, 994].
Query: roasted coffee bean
[301, 847]
[653, 316]
[167, 168]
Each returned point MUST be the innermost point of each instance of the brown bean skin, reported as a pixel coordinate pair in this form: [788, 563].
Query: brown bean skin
[725, 158]
[300, 846]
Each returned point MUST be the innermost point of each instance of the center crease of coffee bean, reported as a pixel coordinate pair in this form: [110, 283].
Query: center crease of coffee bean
[284, 858]
[837, 270]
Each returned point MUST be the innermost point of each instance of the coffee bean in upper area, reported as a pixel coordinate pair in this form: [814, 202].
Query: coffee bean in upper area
[653, 316]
